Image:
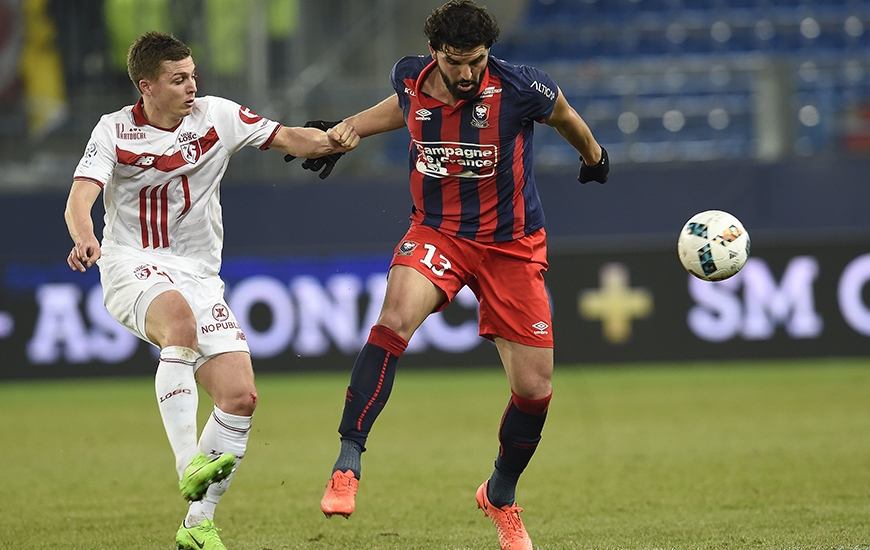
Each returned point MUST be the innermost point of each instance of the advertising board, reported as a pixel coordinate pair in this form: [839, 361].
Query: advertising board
[609, 306]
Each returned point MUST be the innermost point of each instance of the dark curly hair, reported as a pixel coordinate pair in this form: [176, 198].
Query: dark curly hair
[460, 25]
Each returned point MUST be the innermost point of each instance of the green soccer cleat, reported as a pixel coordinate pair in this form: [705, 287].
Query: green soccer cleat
[202, 472]
[202, 537]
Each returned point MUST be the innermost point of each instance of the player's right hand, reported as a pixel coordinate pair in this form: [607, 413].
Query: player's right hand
[84, 255]
[343, 135]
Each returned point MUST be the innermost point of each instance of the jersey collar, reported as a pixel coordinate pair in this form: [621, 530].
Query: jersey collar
[429, 101]
[139, 113]
[140, 120]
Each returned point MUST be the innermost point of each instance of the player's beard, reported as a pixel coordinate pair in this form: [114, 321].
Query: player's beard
[453, 87]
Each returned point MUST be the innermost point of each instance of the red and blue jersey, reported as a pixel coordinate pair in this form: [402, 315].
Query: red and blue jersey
[472, 167]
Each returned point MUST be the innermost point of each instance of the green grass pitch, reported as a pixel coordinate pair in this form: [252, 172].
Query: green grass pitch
[772, 455]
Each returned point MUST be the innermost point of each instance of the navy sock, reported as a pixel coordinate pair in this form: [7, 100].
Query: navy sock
[518, 435]
[502, 489]
[370, 384]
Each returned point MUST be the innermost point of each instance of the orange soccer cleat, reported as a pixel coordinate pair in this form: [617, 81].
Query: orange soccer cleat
[340, 494]
[511, 533]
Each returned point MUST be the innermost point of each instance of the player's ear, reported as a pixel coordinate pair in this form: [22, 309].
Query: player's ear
[431, 49]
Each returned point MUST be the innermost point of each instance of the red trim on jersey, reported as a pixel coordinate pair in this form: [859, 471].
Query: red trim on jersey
[272, 137]
[384, 337]
[153, 219]
[143, 209]
[416, 178]
[139, 113]
[164, 214]
[165, 163]
[429, 101]
[488, 194]
[141, 120]
[519, 173]
[92, 180]
[153, 216]
[451, 201]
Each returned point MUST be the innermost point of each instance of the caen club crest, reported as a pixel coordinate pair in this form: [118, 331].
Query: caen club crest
[480, 115]
[406, 248]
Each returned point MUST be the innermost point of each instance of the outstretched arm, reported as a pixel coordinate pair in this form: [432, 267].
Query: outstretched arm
[383, 117]
[86, 248]
[594, 164]
[313, 142]
[573, 128]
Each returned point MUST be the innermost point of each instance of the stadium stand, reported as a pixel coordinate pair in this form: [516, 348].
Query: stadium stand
[663, 80]
[658, 80]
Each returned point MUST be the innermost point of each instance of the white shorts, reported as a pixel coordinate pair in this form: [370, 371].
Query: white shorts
[131, 282]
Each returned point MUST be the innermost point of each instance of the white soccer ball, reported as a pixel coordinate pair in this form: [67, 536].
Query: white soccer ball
[713, 245]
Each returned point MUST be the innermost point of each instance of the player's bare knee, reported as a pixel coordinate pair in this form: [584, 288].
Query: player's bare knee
[241, 403]
[183, 334]
[533, 384]
[253, 400]
[181, 331]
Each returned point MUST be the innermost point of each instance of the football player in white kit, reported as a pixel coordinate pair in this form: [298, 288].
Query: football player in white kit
[159, 164]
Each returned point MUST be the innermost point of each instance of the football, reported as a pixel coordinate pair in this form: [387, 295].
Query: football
[713, 245]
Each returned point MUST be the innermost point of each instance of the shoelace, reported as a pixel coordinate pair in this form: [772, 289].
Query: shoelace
[512, 531]
[343, 486]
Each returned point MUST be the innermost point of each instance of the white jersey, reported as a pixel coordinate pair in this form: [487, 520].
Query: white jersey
[161, 187]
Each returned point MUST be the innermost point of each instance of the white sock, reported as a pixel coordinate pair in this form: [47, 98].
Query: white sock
[177, 399]
[222, 433]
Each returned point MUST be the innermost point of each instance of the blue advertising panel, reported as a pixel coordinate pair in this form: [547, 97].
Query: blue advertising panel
[614, 305]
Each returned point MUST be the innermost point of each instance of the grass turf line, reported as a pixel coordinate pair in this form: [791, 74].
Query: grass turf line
[748, 455]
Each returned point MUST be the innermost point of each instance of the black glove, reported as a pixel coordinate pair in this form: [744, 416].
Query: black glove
[598, 172]
[328, 161]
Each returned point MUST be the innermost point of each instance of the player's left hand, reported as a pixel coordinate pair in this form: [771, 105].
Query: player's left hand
[597, 172]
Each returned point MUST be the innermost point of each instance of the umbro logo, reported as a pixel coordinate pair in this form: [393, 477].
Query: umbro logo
[423, 114]
[541, 327]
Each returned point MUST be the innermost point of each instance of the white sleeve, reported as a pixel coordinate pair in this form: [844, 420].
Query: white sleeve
[99, 159]
[237, 126]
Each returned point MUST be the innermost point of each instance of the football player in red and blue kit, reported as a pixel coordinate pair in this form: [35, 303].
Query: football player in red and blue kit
[477, 221]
